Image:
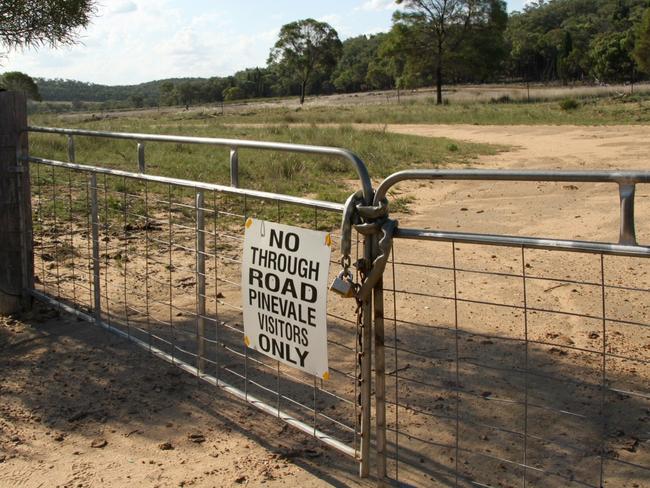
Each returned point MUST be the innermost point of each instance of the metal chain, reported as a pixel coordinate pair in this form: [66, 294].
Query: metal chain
[360, 353]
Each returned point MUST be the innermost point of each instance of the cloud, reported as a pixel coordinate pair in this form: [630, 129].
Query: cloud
[336, 21]
[374, 5]
[123, 7]
[132, 41]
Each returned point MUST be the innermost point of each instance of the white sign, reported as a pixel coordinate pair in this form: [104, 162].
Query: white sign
[284, 291]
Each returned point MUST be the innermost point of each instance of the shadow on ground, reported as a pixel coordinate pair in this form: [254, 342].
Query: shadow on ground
[68, 381]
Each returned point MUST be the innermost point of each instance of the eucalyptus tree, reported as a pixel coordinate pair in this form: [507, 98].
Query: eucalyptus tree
[304, 48]
[441, 27]
[26, 23]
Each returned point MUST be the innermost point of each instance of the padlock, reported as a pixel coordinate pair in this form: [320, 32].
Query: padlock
[343, 284]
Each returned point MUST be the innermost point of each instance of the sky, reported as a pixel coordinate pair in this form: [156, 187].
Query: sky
[133, 41]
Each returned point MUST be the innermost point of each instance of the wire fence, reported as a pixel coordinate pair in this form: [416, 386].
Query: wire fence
[159, 263]
[509, 366]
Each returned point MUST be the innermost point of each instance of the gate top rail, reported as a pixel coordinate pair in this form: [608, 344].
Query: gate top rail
[626, 181]
[198, 185]
[619, 177]
[233, 144]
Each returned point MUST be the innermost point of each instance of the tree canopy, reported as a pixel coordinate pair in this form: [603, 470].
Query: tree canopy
[357, 60]
[571, 40]
[304, 48]
[432, 31]
[17, 81]
[42, 22]
[642, 46]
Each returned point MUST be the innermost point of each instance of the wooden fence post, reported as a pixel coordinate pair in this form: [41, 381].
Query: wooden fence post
[16, 253]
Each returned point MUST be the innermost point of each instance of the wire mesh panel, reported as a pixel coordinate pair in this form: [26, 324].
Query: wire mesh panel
[159, 263]
[511, 366]
[63, 235]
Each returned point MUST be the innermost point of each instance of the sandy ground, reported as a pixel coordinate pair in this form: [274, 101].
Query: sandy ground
[581, 211]
[80, 408]
[550, 146]
[66, 385]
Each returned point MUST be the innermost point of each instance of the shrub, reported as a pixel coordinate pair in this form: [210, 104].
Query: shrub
[233, 93]
[569, 104]
[501, 99]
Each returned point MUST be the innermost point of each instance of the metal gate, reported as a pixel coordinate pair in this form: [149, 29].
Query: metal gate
[515, 361]
[498, 360]
[157, 261]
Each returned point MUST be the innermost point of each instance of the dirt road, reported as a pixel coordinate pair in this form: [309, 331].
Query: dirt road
[550, 147]
[580, 211]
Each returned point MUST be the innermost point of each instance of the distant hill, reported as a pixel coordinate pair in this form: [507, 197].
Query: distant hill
[59, 90]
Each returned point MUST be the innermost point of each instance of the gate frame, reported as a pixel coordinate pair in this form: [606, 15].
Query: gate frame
[13, 135]
[626, 246]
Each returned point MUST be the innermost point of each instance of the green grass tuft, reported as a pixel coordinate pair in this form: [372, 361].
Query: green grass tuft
[569, 104]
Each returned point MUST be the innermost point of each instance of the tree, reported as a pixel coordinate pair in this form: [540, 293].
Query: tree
[642, 43]
[186, 93]
[379, 75]
[611, 56]
[403, 48]
[358, 54]
[167, 93]
[444, 24]
[17, 81]
[233, 93]
[137, 100]
[42, 22]
[303, 48]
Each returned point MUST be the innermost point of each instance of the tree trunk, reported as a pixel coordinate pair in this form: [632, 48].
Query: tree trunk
[303, 88]
[439, 73]
[439, 83]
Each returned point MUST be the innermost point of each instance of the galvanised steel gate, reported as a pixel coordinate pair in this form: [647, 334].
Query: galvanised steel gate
[157, 260]
[498, 360]
[514, 361]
